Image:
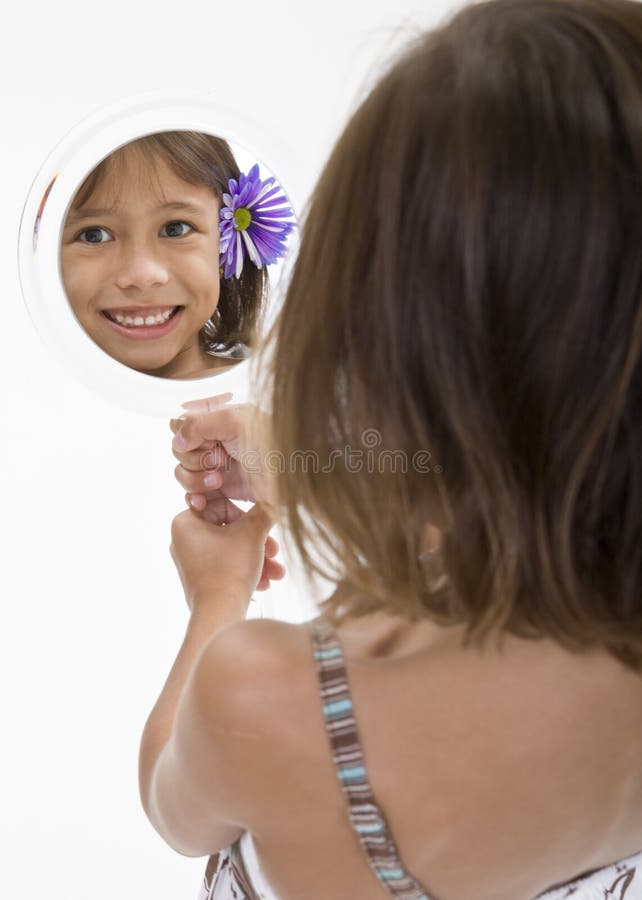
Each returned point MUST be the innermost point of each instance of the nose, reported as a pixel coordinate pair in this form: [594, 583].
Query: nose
[140, 266]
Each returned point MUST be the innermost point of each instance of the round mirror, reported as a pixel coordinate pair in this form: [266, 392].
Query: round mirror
[150, 256]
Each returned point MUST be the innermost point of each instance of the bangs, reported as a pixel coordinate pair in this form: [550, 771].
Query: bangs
[111, 175]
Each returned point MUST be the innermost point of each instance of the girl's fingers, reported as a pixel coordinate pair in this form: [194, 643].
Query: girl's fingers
[195, 483]
[271, 547]
[272, 571]
[224, 424]
[276, 570]
[214, 440]
[228, 478]
[220, 511]
[196, 501]
[210, 456]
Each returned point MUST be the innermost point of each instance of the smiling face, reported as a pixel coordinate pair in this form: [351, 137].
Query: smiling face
[140, 266]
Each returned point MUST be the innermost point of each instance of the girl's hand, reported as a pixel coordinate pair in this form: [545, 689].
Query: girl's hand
[211, 445]
[221, 511]
[220, 566]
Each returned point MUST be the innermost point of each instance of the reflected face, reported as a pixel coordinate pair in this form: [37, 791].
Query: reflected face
[140, 266]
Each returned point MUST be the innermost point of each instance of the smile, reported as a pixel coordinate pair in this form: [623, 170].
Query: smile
[138, 326]
[136, 319]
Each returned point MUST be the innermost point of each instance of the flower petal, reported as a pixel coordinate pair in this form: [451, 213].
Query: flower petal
[265, 192]
[239, 255]
[274, 201]
[276, 228]
[253, 253]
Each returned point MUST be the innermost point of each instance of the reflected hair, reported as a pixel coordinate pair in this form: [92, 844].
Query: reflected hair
[200, 159]
[469, 285]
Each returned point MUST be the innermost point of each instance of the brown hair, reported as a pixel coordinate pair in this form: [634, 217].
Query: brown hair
[469, 285]
[198, 158]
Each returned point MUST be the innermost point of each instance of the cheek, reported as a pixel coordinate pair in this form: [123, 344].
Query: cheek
[213, 292]
[202, 274]
[81, 279]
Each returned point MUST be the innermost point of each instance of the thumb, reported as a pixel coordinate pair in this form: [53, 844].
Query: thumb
[207, 404]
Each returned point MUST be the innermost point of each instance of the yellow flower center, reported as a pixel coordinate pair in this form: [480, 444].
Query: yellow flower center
[242, 218]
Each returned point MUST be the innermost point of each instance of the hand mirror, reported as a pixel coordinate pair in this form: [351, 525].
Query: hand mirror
[151, 247]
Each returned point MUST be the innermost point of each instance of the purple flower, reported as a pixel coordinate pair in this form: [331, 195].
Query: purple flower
[256, 219]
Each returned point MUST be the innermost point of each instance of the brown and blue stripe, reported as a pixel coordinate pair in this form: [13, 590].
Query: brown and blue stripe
[365, 816]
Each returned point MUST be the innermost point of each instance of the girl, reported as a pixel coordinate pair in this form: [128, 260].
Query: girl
[141, 242]
[464, 720]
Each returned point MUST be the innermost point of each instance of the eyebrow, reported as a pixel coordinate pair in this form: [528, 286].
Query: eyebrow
[84, 212]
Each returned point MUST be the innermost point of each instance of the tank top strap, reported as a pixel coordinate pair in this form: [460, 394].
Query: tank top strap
[366, 818]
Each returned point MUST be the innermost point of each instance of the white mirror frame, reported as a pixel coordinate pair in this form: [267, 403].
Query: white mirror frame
[64, 170]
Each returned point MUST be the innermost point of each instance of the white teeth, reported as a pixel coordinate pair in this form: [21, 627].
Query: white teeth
[139, 320]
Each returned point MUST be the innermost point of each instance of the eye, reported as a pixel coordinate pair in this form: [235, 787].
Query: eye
[176, 229]
[94, 236]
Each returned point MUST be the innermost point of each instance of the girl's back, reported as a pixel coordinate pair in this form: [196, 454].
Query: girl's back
[500, 774]
[479, 320]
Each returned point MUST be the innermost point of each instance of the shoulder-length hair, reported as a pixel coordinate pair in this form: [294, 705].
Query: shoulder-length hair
[200, 159]
[467, 300]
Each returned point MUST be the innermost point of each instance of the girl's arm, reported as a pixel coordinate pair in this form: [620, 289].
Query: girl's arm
[172, 789]
[180, 780]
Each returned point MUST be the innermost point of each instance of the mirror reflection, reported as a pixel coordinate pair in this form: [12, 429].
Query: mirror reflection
[164, 254]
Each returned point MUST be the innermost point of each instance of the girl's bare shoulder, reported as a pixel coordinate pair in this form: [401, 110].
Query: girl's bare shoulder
[265, 661]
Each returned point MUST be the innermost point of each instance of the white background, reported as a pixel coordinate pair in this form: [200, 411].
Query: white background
[93, 614]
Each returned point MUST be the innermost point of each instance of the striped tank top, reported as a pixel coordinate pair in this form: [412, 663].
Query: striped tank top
[235, 873]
